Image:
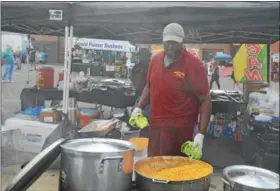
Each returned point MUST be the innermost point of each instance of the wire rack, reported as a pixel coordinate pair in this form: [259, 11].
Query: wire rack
[12, 148]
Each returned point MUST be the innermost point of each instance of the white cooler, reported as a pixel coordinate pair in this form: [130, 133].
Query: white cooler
[34, 133]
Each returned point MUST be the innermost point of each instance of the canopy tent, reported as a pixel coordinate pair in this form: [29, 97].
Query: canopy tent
[275, 57]
[143, 22]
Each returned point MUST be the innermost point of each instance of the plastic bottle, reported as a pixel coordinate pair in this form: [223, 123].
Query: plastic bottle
[217, 131]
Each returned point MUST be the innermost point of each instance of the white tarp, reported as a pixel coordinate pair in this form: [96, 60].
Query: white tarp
[100, 44]
[275, 58]
[13, 40]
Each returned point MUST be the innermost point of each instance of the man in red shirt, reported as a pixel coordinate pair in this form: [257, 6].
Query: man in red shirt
[177, 90]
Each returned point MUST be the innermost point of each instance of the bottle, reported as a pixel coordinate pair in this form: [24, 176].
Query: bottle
[217, 131]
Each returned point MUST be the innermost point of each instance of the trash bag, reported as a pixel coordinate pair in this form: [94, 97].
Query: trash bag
[33, 111]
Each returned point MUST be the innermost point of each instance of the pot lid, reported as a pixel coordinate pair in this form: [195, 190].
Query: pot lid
[97, 145]
[252, 177]
[33, 170]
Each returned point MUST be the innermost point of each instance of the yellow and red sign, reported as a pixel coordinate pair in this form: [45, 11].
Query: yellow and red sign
[250, 63]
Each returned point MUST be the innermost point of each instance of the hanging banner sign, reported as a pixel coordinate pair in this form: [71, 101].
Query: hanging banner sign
[56, 15]
[111, 45]
[250, 63]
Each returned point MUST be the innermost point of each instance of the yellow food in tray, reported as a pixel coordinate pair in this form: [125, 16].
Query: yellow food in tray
[141, 143]
[173, 168]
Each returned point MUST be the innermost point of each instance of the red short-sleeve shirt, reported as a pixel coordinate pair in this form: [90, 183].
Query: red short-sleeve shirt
[171, 102]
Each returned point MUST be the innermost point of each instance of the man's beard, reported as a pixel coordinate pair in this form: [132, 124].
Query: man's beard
[174, 54]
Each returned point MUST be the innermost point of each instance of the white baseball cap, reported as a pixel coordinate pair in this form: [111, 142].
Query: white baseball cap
[173, 32]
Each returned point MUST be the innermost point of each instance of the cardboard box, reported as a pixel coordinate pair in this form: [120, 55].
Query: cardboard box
[50, 116]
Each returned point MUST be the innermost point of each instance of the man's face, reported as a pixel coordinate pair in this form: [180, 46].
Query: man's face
[172, 48]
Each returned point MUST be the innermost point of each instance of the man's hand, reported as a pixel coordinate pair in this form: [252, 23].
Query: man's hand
[198, 141]
[135, 111]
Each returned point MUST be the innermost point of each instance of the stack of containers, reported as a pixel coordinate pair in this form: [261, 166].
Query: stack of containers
[222, 125]
[267, 154]
[260, 134]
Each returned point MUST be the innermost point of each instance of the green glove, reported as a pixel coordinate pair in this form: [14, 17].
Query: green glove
[139, 121]
[192, 152]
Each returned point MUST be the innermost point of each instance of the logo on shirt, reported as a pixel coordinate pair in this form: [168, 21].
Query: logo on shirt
[178, 74]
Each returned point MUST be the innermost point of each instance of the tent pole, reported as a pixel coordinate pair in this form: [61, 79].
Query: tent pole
[28, 67]
[68, 57]
[65, 69]
[28, 58]
[70, 40]
[269, 76]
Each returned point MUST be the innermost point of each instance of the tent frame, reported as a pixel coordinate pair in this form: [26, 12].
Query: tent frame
[192, 35]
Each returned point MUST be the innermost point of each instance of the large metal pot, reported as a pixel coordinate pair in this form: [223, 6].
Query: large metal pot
[96, 164]
[149, 184]
[249, 178]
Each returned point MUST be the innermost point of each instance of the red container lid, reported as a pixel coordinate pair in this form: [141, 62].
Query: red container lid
[45, 68]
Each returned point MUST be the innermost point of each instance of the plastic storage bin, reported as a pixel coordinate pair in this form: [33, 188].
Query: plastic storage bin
[268, 160]
[249, 144]
[86, 115]
[267, 155]
[268, 142]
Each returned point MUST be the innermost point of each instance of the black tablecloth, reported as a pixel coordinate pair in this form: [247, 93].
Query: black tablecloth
[225, 107]
[111, 97]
